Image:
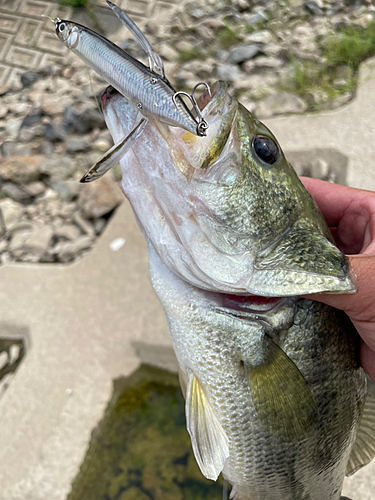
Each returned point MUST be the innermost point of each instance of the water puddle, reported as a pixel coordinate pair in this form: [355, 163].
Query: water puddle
[141, 449]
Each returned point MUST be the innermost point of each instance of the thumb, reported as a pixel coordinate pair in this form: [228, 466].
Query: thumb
[360, 306]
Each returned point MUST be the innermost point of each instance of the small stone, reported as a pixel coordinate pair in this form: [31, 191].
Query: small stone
[99, 197]
[259, 17]
[68, 251]
[99, 225]
[38, 240]
[58, 168]
[21, 169]
[55, 131]
[34, 117]
[83, 224]
[262, 36]
[168, 52]
[88, 120]
[68, 232]
[11, 212]
[4, 89]
[3, 111]
[75, 144]
[280, 103]
[243, 53]
[29, 78]
[35, 188]
[22, 225]
[9, 148]
[14, 192]
[228, 72]
[50, 70]
[18, 241]
[67, 189]
[28, 134]
[313, 8]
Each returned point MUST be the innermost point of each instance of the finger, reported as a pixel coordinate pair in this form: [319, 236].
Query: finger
[334, 200]
[360, 307]
[368, 360]
[349, 212]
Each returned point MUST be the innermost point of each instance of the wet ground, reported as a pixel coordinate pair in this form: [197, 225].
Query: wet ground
[141, 449]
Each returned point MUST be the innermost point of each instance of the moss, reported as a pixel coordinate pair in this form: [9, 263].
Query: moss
[141, 449]
[188, 55]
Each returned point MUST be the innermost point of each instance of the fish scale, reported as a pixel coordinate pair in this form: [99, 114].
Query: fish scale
[275, 395]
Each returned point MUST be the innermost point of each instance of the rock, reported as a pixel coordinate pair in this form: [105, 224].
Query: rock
[34, 117]
[99, 197]
[10, 213]
[280, 103]
[3, 111]
[313, 8]
[243, 53]
[76, 143]
[29, 78]
[14, 192]
[83, 224]
[21, 169]
[259, 17]
[228, 72]
[55, 131]
[263, 36]
[58, 168]
[167, 52]
[18, 240]
[67, 189]
[28, 134]
[89, 119]
[68, 251]
[9, 148]
[68, 232]
[50, 70]
[262, 62]
[38, 240]
[4, 89]
[35, 188]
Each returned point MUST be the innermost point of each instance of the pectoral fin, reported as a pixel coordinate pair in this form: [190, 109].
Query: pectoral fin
[209, 441]
[114, 155]
[282, 399]
[363, 450]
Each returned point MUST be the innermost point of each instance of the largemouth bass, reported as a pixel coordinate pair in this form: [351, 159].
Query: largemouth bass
[275, 396]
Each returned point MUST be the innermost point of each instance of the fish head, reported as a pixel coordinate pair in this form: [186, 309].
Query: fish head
[67, 32]
[226, 212]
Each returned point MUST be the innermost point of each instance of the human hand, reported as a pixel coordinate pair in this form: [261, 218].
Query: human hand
[350, 214]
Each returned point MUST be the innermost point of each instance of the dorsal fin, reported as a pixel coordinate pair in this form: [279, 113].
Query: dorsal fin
[282, 399]
[156, 64]
[363, 450]
[209, 441]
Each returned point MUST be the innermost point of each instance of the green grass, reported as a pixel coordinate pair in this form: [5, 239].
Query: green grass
[346, 49]
[188, 55]
[74, 3]
[227, 38]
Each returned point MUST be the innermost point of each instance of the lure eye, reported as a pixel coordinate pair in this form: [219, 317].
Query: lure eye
[62, 27]
[266, 149]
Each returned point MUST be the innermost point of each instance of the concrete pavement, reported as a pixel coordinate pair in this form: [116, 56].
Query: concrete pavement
[87, 323]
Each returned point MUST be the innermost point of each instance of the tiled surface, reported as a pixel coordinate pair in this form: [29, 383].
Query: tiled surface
[28, 42]
[25, 40]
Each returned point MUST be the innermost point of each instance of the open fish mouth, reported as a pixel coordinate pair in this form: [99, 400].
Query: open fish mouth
[223, 212]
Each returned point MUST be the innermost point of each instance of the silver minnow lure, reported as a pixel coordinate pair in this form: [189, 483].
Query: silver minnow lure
[149, 91]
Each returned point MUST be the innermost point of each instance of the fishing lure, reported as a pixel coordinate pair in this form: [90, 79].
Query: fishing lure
[146, 88]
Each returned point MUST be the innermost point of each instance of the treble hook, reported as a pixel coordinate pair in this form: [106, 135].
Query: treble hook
[198, 85]
[202, 125]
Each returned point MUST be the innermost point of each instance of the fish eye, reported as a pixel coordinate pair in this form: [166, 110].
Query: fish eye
[266, 149]
[62, 26]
